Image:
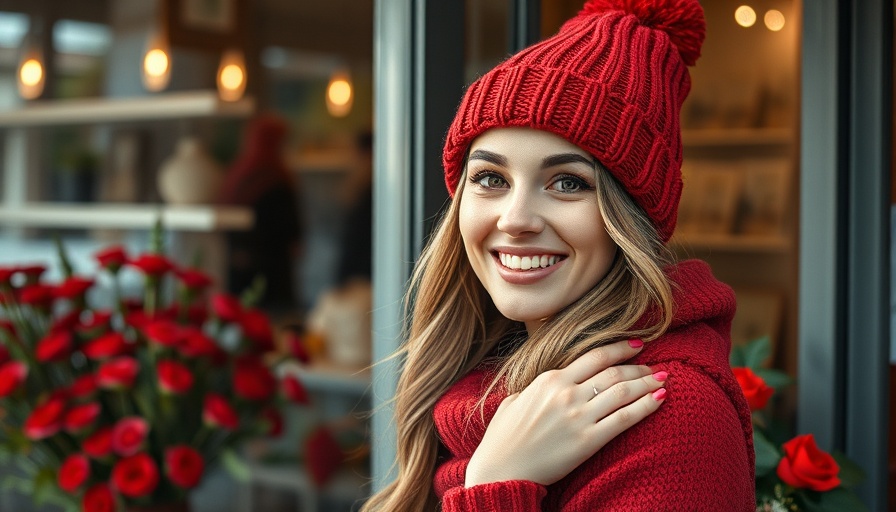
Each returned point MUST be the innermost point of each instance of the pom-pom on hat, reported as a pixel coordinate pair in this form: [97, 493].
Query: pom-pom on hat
[612, 81]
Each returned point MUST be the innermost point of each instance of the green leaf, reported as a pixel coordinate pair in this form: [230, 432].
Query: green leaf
[757, 352]
[235, 465]
[840, 500]
[767, 456]
[774, 378]
[44, 485]
[851, 474]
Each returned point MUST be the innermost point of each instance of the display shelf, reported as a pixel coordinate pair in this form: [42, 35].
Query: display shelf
[166, 106]
[732, 243]
[322, 375]
[127, 216]
[732, 137]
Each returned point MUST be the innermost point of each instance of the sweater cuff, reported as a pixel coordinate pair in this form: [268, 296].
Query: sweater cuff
[510, 495]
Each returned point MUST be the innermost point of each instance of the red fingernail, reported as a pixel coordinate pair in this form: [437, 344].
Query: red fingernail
[661, 376]
[659, 394]
[635, 343]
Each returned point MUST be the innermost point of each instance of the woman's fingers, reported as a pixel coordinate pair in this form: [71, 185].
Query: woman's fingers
[622, 394]
[624, 417]
[596, 360]
[604, 380]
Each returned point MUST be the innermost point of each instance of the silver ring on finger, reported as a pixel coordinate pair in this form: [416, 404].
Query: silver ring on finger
[595, 389]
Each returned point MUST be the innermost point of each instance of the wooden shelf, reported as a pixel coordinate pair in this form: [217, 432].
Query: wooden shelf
[126, 216]
[736, 137]
[166, 106]
[732, 243]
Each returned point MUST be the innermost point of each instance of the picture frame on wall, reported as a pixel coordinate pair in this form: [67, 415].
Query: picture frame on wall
[767, 185]
[710, 198]
[213, 25]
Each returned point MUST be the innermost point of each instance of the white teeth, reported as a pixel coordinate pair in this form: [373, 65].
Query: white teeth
[526, 262]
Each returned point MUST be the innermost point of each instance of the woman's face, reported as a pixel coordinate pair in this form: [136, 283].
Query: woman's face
[530, 222]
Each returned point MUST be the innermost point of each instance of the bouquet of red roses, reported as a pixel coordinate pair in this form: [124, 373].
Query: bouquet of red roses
[798, 476]
[111, 408]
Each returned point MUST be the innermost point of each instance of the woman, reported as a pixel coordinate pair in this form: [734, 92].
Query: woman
[556, 359]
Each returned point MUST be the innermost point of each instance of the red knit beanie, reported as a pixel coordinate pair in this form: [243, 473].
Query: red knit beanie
[612, 81]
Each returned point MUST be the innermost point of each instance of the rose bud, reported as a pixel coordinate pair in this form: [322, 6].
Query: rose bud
[112, 258]
[226, 307]
[153, 265]
[217, 412]
[252, 379]
[163, 332]
[194, 279]
[36, 295]
[109, 345]
[73, 472]
[196, 343]
[99, 444]
[184, 466]
[99, 498]
[54, 347]
[174, 377]
[257, 328]
[135, 476]
[804, 465]
[83, 387]
[129, 435]
[12, 375]
[81, 417]
[294, 390]
[118, 373]
[66, 322]
[73, 288]
[45, 420]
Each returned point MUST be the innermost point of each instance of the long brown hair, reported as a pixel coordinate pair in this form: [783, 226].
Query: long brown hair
[453, 325]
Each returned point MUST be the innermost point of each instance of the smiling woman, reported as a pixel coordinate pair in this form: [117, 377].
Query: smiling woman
[557, 359]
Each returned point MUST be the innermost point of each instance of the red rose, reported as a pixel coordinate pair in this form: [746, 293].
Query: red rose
[99, 444]
[296, 344]
[153, 265]
[106, 346]
[174, 377]
[56, 346]
[323, 454]
[128, 435]
[196, 343]
[135, 476]
[118, 373]
[295, 391]
[194, 279]
[45, 420]
[252, 379]
[184, 466]
[36, 295]
[73, 472]
[755, 389]
[74, 287]
[99, 498]
[12, 375]
[227, 307]
[84, 386]
[112, 258]
[274, 420]
[217, 412]
[804, 465]
[257, 328]
[81, 417]
[164, 332]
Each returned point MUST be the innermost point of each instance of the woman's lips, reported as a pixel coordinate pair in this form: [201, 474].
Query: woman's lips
[512, 268]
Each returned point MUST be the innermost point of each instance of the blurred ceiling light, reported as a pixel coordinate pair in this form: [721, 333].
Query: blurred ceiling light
[745, 16]
[31, 75]
[232, 75]
[774, 20]
[339, 94]
[156, 69]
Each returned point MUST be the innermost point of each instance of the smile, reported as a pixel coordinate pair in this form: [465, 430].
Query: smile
[515, 262]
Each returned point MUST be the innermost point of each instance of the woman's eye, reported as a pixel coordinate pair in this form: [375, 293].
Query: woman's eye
[489, 180]
[569, 184]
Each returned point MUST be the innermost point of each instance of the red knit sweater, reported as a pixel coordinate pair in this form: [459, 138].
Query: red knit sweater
[694, 454]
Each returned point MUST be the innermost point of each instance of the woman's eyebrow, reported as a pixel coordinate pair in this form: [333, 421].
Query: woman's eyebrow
[565, 158]
[488, 156]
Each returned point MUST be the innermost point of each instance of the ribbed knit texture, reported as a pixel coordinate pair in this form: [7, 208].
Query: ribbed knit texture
[612, 81]
[695, 453]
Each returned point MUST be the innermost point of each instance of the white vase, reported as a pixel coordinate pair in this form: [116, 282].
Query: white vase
[189, 176]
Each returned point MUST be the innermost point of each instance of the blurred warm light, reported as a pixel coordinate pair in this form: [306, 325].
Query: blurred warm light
[745, 16]
[774, 20]
[232, 75]
[339, 95]
[31, 76]
[156, 70]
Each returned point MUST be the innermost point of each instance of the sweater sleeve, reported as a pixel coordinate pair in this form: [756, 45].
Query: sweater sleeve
[694, 453]
[507, 496]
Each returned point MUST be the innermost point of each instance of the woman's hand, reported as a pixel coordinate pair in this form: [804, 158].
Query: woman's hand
[565, 416]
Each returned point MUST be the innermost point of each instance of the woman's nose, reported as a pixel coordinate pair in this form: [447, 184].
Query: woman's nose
[520, 214]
